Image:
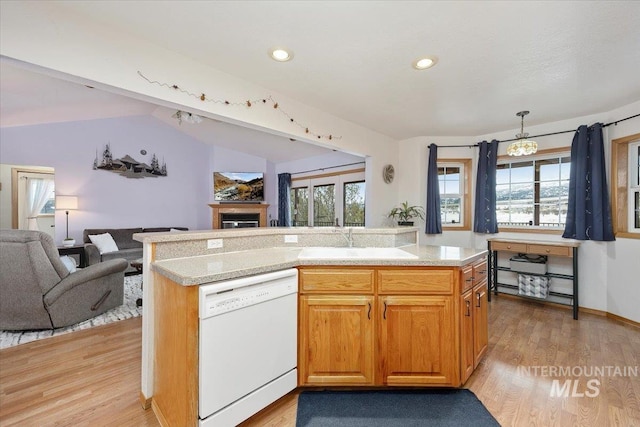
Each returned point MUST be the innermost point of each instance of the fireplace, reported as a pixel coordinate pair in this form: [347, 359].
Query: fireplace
[244, 214]
[235, 220]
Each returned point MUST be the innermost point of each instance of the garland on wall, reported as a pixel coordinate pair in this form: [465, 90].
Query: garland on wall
[247, 104]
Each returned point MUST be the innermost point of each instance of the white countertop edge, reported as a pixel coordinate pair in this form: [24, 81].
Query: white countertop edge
[190, 280]
[181, 236]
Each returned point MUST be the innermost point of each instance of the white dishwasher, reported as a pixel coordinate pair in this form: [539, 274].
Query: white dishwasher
[248, 345]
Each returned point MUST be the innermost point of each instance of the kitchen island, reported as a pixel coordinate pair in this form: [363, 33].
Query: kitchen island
[407, 315]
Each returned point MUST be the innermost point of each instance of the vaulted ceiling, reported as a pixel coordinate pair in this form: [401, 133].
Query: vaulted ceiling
[353, 58]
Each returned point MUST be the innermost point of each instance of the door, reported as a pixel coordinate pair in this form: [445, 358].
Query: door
[336, 340]
[417, 340]
[33, 187]
[480, 322]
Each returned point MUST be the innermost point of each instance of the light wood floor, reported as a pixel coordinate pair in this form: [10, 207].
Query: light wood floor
[92, 377]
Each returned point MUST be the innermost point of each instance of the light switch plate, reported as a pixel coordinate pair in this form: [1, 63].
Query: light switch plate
[214, 243]
[291, 238]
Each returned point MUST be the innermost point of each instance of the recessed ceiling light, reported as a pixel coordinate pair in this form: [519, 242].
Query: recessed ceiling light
[424, 63]
[280, 54]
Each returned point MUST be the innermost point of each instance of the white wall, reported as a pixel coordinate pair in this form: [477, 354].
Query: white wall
[105, 199]
[623, 255]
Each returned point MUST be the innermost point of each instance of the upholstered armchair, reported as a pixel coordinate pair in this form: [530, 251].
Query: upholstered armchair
[38, 292]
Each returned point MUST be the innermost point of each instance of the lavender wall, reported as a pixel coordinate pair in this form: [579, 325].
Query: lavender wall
[106, 199]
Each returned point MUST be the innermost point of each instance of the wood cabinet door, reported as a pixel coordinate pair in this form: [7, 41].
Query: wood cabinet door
[417, 341]
[467, 349]
[336, 340]
[480, 322]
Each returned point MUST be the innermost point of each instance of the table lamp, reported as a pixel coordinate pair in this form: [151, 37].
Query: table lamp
[67, 203]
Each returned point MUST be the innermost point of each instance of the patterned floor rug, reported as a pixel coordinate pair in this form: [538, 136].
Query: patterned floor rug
[132, 291]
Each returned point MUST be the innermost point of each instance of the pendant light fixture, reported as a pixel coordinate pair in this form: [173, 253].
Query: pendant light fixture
[523, 146]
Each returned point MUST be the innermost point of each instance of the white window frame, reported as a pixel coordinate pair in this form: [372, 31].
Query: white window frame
[338, 179]
[466, 168]
[633, 186]
[551, 154]
[460, 194]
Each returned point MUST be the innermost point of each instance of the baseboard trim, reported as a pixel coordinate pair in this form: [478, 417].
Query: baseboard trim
[145, 401]
[580, 309]
[623, 320]
[159, 415]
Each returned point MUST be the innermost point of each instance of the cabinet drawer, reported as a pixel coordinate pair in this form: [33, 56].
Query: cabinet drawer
[508, 246]
[438, 282]
[479, 272]
[466, 278]
[549, 250]
[336, 280]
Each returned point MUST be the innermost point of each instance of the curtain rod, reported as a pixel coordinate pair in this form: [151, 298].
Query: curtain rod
[328, 167]
[615, 123]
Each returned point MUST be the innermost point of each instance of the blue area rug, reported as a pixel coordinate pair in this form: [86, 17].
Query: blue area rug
[391, 408]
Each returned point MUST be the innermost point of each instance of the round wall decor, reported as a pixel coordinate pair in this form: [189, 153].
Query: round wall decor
[387, 173]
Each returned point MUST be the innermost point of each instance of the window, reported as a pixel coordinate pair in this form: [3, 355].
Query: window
[323, 200]
[455, 206]
[324, 204]
[533, 192]
[49, 207]
[625, 186]
[634, 188]
[450, 194]
[353, 204]
[299, 207]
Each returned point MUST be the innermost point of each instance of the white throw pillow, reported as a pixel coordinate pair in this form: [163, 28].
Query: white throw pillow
[69, 263]
[104, 242]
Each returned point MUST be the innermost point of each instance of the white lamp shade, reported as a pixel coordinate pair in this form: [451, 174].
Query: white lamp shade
[67, 202]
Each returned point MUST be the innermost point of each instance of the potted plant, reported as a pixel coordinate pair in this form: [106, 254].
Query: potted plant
[405, 213]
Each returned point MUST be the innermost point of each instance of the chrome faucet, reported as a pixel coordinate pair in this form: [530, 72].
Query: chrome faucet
[348, 236]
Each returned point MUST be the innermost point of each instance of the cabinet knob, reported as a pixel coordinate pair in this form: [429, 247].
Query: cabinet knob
[547, 250]
[508, 246]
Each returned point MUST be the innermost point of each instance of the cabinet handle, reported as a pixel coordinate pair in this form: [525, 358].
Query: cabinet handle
[470, 279]
[468, 308]
[384, 314]
[482, 271]
[369, 312]
[478, 297]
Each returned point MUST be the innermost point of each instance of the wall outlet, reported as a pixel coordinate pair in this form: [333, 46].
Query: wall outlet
[214, 243]
[291, 238]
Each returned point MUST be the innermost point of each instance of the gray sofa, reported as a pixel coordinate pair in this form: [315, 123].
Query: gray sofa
[38, 292]
[128, 248]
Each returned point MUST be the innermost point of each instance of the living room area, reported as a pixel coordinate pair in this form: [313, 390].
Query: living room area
[56, 131]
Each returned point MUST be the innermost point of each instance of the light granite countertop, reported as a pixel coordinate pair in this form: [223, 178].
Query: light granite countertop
[203, 269]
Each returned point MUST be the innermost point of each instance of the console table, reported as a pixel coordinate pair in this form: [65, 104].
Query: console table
[537, 247]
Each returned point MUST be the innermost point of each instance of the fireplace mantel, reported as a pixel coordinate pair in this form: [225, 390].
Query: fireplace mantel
[238, 208]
